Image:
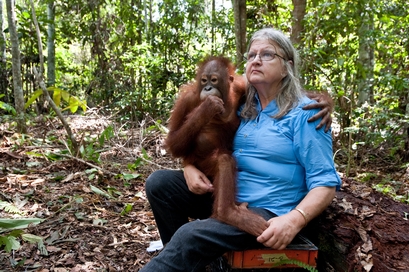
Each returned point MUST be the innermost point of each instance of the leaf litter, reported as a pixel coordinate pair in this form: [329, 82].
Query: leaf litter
[91, 220]
[95, 215]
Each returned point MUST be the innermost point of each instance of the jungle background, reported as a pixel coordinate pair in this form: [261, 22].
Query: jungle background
[86, 88]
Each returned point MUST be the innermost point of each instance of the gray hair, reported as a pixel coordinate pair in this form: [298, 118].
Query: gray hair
[290, 91]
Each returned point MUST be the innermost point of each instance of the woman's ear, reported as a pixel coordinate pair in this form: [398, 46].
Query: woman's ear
[284, 73]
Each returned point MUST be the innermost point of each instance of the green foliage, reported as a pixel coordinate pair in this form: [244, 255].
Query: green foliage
[298, 263]
[20, 223]
[60, 95]
[100, 191]
[14, 228]
[106, 135]
[366, 177]
[6, 107]
[140, 54]
[131, 58]
[89, 150]
[139, 161]
[391, 187]
[128, 208]
[92, 173]
[91, 147]
[9, 207]
[10, 241]
[332, 54]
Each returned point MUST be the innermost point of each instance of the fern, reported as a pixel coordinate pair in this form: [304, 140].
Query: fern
[9, 207]
[298, 263]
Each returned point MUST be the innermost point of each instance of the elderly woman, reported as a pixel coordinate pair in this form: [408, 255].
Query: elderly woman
[285, 169]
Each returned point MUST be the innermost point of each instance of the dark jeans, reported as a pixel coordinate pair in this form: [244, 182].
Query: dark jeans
[190, 246]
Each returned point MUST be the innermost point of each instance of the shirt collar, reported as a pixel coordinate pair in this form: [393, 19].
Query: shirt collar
[271, 108]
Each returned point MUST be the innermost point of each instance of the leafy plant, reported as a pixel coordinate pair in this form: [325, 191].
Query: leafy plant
[90, 151]
[6, 107]
[298, 263]
[106, 135]
[390, 188]
[139, 161]
[127, 208]
[100, 192]
[9, 207]
[11, 241]
[60, 95]
[19, 223]
[91, 148]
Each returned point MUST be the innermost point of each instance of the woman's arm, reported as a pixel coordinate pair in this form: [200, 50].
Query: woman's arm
[283, 229]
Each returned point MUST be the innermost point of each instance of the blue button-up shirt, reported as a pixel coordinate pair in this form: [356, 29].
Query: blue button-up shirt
[280, 160]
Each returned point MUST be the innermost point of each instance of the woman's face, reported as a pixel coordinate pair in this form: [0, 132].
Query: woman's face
[267, 73]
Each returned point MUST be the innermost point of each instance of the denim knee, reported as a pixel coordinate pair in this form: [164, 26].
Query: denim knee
[153, 182]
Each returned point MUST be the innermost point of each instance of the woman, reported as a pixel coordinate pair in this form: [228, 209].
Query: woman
[285, 169]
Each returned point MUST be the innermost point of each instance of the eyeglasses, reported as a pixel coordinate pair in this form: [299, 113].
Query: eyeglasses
[264, 56]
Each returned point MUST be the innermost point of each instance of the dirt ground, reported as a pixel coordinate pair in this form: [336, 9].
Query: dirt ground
[97, 220]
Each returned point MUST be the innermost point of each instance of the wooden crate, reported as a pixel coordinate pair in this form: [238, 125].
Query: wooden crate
[300, 249]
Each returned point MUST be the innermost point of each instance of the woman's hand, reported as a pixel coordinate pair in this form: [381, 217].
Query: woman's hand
[326, 104]
[282, 230]
[196, 181]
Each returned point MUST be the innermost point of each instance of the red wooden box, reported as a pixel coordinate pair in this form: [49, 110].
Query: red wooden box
[300, 249]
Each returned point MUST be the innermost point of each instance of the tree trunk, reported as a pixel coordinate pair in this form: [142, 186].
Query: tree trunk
[213, 26]
[298, 17]
[362, 230]
[39, 78]
[240, 17]
[51, 44]
[3, 66]
[365, 58]
[15, 54]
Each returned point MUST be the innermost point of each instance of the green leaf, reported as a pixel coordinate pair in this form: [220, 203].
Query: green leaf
[26, 14]
[131, 176]
[133, 166]
[22, 223]
[7, 107]
[74, 102]
[10, 243]
[107, 134]
[112, 191]
[9, 207]
[65, 95]
[127, 209]
[16, 233]
[57, 96]
[92, 170]
[34, 239]
[31, 100]
[34, 154]
[31, 238]
[100, 192]
[42, 248]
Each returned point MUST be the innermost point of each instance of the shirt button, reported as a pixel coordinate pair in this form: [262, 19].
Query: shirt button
[245, 135]
[241, 150]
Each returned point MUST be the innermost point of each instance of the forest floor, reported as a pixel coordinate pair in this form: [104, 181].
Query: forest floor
[95, 215]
